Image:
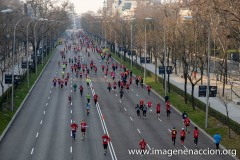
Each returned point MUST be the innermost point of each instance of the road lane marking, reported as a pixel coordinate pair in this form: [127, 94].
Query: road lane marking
[120, 101]
[49, 97]
[115, 94]
[169, 130]
[71, 111]
[185, 147]
[71, 121]
[138, 131]
[32, 150]
[52, 86]
[37, 135]
[50, 92]
[71, 133]
[136, 94]
[41, 122]
[46, 104]
[132, 89]
[131, 118]
[159, 119]
[148, 147]
[71, 103]
[71, 90]
[125, 109]
[44, 112]
[71, 149]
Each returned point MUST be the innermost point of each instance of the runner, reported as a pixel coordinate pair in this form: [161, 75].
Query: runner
[138, 110]
[149, 89]
[74, 127]
[109, 87]
[149, 104]
[142, 144]
[158, 107]
[182, 136]
[195, 136]
[168, 108]
[81, 89]
[105, 139]
[144, 111]
[95, 98]
[174, 135]
[187, 123]
[83, 129]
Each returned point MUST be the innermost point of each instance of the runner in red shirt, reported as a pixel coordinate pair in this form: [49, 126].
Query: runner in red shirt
[174, 135]
[182, 136]
[83, 129]
[74, 128]
[95, 98]
[142, 144]
[168, 108]
[187, 123]
[109, 87]
[195, 136]
[130, 80]
[141, 103]
[127, 87]
[149, 104]
[148, 89]
[158, 107]
[105, 139]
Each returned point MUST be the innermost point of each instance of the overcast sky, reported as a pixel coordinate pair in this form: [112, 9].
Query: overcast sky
[82, 6]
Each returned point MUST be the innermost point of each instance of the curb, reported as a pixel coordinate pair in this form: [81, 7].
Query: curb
[204, 132]
[20, 107]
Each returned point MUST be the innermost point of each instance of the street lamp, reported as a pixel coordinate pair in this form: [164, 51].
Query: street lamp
[27, 53]
[165, 63]
[14, 50]
[131, 42]
[35, 41]
[145, 49]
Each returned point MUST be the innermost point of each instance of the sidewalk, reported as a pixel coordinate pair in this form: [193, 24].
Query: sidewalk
[215, 102]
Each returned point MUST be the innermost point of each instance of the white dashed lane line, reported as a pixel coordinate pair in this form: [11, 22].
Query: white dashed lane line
[138, 131]
[32, 150]
[41, 122]
[131, 118]
[49, 97]
[46, 104]
[125, 109]
[159, 119]
[44, 112]
[120, 101]
[169, 130]
[136, 94]
[71, 111]
[71, 149]
[37, 135]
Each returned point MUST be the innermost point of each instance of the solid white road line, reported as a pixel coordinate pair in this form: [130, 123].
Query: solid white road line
[32, 150]
[41, 122]
[138, 131]
[37, 135]
[131, 118]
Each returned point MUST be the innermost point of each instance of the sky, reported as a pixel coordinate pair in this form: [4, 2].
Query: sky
[82, 6]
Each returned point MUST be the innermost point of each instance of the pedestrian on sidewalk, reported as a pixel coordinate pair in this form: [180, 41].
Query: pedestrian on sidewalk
[217, 138]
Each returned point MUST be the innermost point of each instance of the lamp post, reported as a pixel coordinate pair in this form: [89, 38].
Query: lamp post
[35, 42]
[131, 42]
[208, 74]
[14, 50]
[144, 75]
[165, 62]
[27, 54]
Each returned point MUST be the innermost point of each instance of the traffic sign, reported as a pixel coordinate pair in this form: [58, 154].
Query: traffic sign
[161, 69]
[8, 79]
[169, 69]
[212, 91]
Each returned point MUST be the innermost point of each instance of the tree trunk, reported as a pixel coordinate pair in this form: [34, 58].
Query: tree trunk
[193, 100]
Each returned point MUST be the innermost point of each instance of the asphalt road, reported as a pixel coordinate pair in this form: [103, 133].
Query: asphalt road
[41, 131]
